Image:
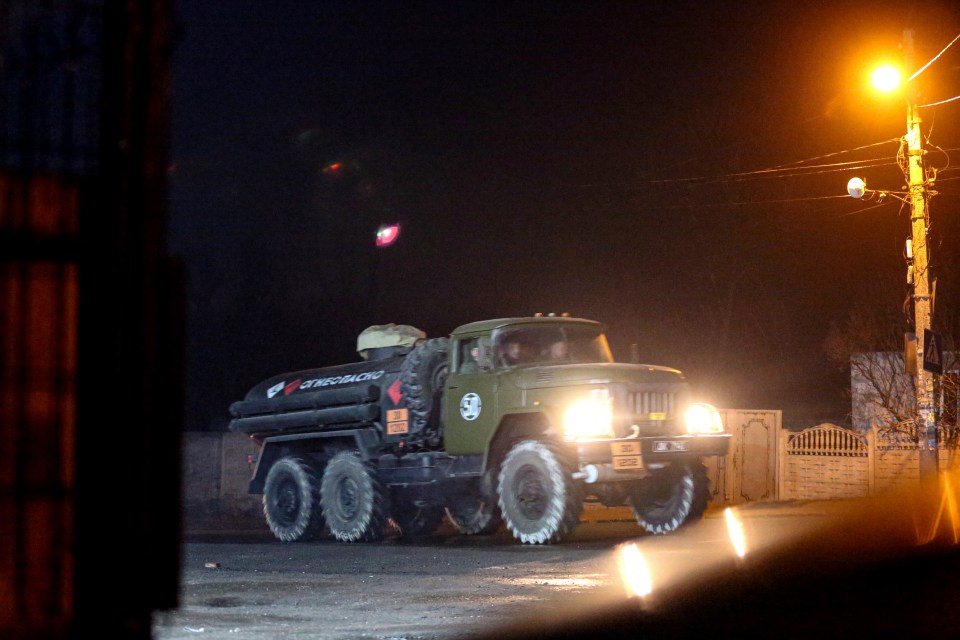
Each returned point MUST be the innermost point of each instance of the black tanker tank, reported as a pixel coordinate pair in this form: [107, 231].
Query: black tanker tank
[386, 390]
[326, 397]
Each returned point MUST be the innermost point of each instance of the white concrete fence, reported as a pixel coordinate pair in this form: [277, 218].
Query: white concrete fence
[827, 461]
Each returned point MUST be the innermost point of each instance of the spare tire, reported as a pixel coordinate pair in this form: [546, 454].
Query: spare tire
[422, 375]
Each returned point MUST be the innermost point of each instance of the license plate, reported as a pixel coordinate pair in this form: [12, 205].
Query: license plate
[621, 463]
[625, 448]
[626, 455]
[397, 422]
[669, 445]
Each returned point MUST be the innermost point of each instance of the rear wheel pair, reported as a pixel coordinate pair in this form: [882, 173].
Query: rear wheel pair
[347, 498]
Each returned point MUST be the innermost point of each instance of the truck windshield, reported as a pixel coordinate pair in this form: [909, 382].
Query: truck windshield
[551, 345]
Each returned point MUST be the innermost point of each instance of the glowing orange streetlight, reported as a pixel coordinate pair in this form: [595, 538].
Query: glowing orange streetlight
[886, 78]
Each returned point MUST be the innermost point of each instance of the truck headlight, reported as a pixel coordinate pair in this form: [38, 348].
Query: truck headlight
[703, 418]
[590, 417]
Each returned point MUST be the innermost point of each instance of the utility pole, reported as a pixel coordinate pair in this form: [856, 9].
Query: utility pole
[926, 427]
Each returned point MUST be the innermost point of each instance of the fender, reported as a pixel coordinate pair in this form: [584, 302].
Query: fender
[274, 447]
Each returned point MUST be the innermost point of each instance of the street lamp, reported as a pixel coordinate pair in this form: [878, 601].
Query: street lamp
[856, 188]
[887, 78]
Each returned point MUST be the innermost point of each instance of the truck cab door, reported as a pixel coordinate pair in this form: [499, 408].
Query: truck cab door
[470, 397]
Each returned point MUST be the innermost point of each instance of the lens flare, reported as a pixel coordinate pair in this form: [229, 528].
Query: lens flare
[946, 521]
[735, 530]
[635, 572]
[387, 234]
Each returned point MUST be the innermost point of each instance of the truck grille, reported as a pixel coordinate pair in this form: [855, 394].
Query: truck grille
[653, 402]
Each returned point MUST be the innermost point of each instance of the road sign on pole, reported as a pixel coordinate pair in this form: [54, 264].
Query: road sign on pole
[932, 352]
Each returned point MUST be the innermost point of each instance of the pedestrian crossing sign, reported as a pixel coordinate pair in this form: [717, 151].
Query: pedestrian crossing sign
[932, 352]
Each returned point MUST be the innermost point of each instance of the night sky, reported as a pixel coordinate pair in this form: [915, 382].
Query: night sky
[597, 158]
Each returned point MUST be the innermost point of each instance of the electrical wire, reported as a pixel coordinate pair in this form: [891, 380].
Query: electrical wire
[779, 171]
[924, 67]
[785, 172]
[791, 169]
[749, 202]
[837, 153]
[932, 60]
[865, 209]
[933, 104]
[823, 168]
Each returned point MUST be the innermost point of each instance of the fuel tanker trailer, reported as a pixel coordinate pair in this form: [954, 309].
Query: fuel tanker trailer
[512, 421]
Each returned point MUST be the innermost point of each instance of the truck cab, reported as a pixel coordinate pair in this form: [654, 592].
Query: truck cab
[615, 429]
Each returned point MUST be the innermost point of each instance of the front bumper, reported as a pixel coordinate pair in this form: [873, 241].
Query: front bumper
[632, 458]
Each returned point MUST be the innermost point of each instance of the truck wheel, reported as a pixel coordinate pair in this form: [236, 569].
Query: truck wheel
[670, 498]
[352, 499]
[415, 520]
[422, 375]
[475, 515]
[539, 499]
[291, 500]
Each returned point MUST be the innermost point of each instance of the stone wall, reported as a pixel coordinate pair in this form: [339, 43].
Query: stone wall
[216, 471]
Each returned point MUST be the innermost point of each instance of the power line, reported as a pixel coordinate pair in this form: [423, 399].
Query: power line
[799, 171]
[865, 209]
[933, 104]
[932, 60]
[752, 202]
[789, 169]
[761, 174]
[837, 153]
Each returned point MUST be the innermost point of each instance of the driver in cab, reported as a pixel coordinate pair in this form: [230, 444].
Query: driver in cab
[511, 353]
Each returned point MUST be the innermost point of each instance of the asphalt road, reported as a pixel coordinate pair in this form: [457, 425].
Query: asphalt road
[246, 586]
[837, 569]
[445, 586]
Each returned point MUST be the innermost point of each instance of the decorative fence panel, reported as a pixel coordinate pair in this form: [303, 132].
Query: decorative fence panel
[896, 460]
[823, 462]
[828, 461]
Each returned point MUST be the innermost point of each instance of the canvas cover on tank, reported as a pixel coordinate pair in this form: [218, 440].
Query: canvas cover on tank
[388, 335]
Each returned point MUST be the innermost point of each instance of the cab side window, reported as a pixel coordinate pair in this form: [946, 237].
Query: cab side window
[473, 355]
[466, 359]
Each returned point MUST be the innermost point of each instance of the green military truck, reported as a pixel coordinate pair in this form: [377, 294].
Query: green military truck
[514, 421]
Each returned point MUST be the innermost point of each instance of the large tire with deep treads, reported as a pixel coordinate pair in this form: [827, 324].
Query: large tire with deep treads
[422, 375]
[475, 515]
[539, 499]
[352, 499]
[671, 497]
[291, 500]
